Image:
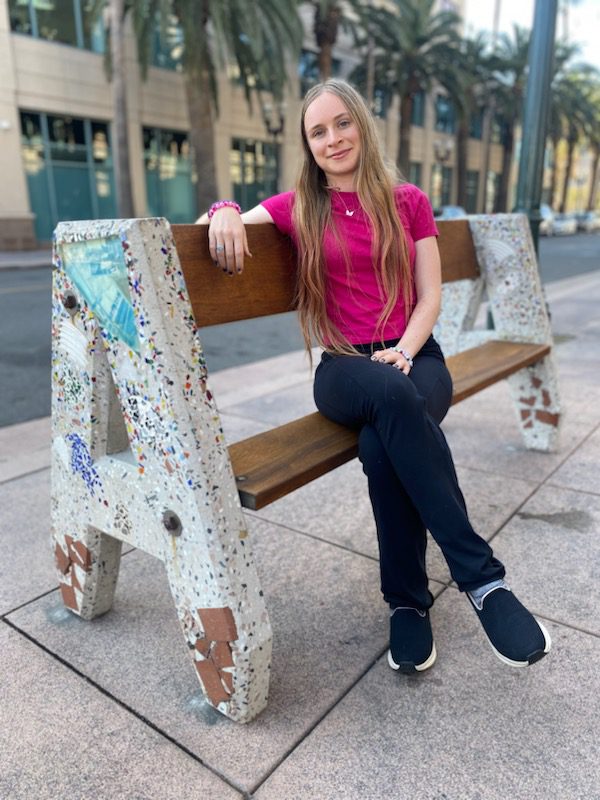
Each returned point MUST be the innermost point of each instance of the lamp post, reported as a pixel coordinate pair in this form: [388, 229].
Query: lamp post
[274, 118]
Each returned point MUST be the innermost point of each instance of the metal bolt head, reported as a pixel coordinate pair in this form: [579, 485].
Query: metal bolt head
[172, 523]
[70, 302]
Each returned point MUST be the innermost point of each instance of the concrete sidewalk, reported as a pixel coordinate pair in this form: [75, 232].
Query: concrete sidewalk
[112, 708]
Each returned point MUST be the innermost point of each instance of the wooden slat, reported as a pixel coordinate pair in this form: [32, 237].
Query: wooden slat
[267, 284]
[474, 369]
[265, 287]
[456, 250]
[274, 463]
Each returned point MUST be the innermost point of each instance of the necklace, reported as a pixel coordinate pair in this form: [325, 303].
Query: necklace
[348, 212]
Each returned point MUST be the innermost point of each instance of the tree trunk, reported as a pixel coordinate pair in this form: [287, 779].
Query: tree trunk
[591, 206]
[554, 178]
[501, 204]
[462, 140]
[325, 60]
[202, 114]
[403, 159]
[120, 143]
[568, 170]
[326, 31]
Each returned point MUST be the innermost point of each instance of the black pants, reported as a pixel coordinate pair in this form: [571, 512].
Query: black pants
[411, 475]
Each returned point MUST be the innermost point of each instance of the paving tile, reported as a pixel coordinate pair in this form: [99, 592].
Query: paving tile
[65, 739]
[469, 729]
[24, 448]
[236, 427]
[580, 471]
[552, 548]
[26, 567]
[329, 624]
[483, 434]
[336, 508]
[277, 408]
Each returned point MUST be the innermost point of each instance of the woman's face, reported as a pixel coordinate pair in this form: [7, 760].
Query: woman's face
[333, 139]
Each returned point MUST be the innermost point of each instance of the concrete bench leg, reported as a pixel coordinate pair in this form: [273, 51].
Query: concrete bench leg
[535, 394]
[139, 454]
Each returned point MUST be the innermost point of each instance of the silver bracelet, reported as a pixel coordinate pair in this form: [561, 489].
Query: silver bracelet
[406, 354]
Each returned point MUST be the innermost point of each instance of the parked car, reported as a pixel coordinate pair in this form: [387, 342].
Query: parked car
[546, 225]
[564, 224]
[588, 221]
[450, 212]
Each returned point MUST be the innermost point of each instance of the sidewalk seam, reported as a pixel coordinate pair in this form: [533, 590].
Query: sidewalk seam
[125, 706]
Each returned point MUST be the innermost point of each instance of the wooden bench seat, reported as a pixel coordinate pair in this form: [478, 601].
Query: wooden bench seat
[138, 452]
[272, 464]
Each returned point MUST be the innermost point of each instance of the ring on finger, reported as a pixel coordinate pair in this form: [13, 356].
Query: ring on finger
[219, 248]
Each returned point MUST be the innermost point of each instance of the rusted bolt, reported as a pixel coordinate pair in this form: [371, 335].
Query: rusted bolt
[172, 523]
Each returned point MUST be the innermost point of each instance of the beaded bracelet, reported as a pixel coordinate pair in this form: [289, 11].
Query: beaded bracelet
[407, 356]
[223, 204]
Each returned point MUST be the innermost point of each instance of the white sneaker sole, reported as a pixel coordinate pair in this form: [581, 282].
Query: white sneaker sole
[512, 663]
[418, 667]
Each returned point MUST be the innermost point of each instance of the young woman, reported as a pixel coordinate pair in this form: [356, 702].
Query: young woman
[369, 288]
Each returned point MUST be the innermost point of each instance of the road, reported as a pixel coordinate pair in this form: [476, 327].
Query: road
[25, 328]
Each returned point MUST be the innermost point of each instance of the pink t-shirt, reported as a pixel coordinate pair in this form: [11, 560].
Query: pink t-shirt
[353, 301]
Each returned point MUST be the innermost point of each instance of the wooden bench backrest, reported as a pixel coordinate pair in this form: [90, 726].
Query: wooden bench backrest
[267, 286]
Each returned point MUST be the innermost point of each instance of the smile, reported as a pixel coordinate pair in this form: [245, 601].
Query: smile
[340, 154]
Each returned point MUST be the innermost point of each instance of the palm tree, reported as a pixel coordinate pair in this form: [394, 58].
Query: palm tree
[509, 64]
[556, 129]
[210, 35]
[473, 76]
[415, 48]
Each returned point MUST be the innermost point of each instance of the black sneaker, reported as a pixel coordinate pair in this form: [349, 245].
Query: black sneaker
[411, 642]
[516, 637]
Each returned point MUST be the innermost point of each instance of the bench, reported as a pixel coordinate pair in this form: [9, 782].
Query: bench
[138, 451]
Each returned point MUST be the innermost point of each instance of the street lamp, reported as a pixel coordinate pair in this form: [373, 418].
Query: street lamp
[274, 118]
[442, 149]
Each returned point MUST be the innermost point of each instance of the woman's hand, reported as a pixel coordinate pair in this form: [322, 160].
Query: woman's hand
[227, 240]
[393, 357]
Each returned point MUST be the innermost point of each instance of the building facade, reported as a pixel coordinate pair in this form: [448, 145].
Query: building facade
[56, 110]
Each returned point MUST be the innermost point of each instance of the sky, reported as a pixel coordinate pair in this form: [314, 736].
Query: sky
[584, 21]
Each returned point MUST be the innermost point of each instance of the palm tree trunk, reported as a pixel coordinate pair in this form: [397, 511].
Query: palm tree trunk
[201, 113]
[567, 180]
[507, 154]
[554, 178]
[120, 142]
[403, 159]
[462, 139]
[326, 26]
[325, 59]
[594, 185]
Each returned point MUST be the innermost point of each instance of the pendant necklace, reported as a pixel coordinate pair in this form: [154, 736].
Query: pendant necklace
[348, 212]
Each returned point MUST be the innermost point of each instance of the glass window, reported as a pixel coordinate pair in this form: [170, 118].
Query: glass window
[68, 166]
[167, 46]
[170, 178]
[308, 70]
[56, 21]
[253, 169]
[93, 28]
[472, 188]
[444, 114]
[382, 99]
[418, 109]
[497, 126]
[20, 17]
[415, 173]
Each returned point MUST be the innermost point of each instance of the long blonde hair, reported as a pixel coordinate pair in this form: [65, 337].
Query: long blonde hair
[375, 183]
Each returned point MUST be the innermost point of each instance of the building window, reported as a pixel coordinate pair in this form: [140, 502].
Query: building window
[68, 166]
[472, 187]
[253, 170]
[415, 173]
[382, 99]
[73, 22]
[476, 124]
[492, 189]
[308, 70]
[445, 118]
[441, 186]
[170, 179]
[167, 49]
[418, 109]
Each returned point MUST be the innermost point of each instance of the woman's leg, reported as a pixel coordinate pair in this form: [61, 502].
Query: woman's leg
[356, 391]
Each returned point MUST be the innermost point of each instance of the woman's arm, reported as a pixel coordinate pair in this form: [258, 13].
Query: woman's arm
[428, 289]
[227, 239]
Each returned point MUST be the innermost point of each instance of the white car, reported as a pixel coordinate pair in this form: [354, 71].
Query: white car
[547, 220]
[588, 221]
[564, 224]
